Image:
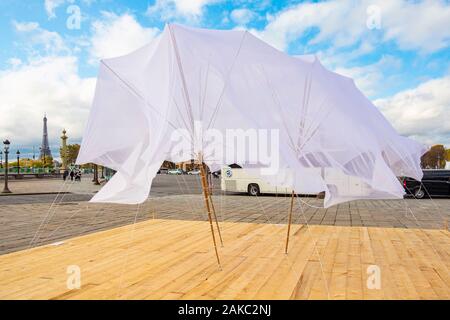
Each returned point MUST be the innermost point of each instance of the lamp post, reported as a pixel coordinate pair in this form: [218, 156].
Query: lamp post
[6, 143]
[18, 161]
[41, 159]
[96, 175]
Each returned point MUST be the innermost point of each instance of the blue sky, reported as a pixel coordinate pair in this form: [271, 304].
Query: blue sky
[397, 51]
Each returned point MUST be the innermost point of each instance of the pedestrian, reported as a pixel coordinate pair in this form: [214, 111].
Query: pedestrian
[78, 176]
[72, 174]
[65, 174]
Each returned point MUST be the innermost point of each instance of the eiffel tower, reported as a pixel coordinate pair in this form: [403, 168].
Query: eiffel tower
[45, 148]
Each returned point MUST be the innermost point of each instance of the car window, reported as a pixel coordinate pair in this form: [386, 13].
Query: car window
[436, 175]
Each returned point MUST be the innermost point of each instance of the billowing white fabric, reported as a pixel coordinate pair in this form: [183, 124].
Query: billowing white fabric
[189, 78]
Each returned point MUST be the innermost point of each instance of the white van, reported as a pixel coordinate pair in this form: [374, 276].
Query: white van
[249, 181]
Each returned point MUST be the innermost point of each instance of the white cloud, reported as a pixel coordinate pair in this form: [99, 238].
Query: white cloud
[421, 25]
[39, 41]
[49, 85]
[118, 35]
[371, 78]
[50, 7]
[49, 82]
[14, 62]
[422, 112]
[190, 10]
[331, 17]
[242, 16]
[25, 26]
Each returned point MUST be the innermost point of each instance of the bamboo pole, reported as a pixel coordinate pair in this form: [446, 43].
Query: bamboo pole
[208, 208]
[215, 218]
[289, 222]
[213, 208]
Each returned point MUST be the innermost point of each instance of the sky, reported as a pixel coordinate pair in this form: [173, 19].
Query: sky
[397, 51]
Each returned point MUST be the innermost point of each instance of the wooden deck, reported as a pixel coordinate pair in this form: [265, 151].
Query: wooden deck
[172, 259]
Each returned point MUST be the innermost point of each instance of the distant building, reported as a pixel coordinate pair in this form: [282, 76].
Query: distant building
[45, 148]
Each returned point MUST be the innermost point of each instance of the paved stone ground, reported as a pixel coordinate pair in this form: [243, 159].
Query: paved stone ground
[28, 225]
[51, 185]
[163, 185]
[32, 220]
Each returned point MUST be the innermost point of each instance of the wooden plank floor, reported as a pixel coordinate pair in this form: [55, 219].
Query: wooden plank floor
[172, 259]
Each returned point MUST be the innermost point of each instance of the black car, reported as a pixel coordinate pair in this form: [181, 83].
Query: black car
[434, 183]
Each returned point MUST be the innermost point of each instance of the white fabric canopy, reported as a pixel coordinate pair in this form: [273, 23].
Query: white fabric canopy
[328, 132]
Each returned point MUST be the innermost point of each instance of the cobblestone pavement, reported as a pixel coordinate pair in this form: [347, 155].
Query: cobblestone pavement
[26, 190]
[52, 185]
[32, 224]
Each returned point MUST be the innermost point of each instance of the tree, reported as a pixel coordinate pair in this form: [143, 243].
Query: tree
[38, 164]
[447, 155]
[72, 153]
[24, 162]
[48, 162]
[168, 164]
[29, 163]
[434, 158]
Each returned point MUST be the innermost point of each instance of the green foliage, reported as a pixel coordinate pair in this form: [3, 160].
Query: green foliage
[434, 158]
[169, 165]
[72, 153]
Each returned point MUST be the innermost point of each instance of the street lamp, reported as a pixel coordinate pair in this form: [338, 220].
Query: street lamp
[96, 182]
[6, 143]
[18, 161]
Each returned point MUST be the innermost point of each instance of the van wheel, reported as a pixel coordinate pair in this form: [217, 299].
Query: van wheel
[419, 193]
[253, 189]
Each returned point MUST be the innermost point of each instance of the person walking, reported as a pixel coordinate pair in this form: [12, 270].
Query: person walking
[72, 174]
[65, 174]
